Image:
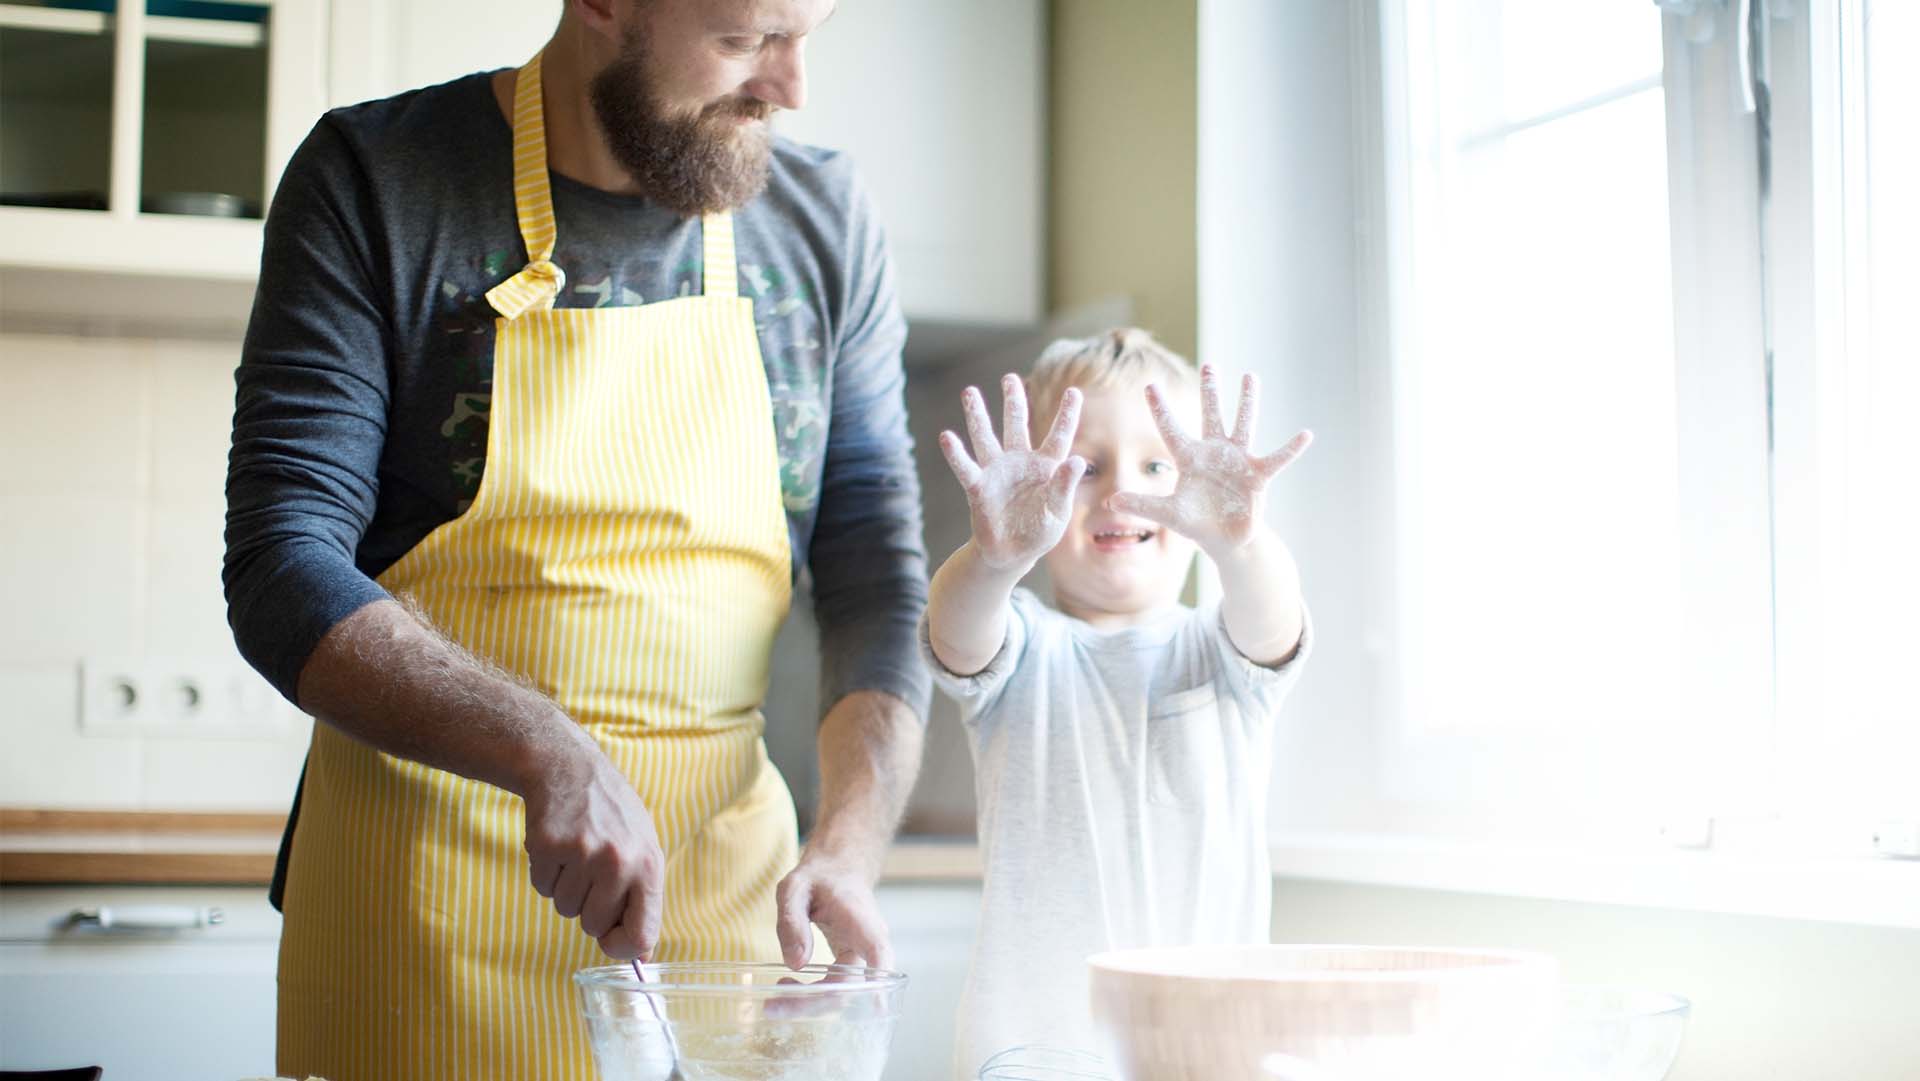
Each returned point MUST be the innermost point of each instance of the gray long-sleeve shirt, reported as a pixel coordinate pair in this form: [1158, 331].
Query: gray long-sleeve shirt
[361, 416]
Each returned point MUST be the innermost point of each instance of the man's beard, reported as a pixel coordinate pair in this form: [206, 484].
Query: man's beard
[692, 165]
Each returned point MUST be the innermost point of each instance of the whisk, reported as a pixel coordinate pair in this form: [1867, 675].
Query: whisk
[673, 1051]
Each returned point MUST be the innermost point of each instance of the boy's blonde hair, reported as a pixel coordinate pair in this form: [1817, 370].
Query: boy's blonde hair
[1121, 357]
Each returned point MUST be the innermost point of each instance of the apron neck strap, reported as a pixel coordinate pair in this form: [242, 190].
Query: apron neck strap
[538, 283]
[719, 276]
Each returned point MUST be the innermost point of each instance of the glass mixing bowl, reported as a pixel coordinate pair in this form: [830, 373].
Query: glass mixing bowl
[1038, 1062]
[740, 1022]
[1617, 1034]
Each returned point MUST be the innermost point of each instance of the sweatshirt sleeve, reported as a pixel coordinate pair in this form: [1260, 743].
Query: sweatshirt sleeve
[867, 560]
[310, 415]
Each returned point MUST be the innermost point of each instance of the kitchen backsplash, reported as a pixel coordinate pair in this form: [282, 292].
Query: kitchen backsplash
[111, 509]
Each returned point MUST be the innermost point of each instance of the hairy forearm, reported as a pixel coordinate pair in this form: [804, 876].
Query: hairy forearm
[967, 610]
[385, 677]
[1260, 598]
[869, 757]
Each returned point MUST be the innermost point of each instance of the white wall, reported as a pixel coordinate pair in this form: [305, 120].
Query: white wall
[111, 511]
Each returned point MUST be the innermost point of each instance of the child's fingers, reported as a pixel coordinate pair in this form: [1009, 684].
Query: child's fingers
[1280, 459]
[1163, 418]
[979, 428]
[1210, 426]
[1013, 414]
[1066, 423]
[963, 468]
[1060, 486]
[1154, 508]
[1243, 422]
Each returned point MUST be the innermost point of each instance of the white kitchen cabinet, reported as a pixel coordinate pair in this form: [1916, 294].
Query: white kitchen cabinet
[382, 47]
[145, 136]
[152, 997]
[942, 104]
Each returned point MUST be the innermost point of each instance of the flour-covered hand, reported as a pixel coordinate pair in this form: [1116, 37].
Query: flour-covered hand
[1020, 497]
[1219, 496]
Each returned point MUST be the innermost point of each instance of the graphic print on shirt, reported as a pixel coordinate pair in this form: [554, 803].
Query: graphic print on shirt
[785, 320]
[783, 312]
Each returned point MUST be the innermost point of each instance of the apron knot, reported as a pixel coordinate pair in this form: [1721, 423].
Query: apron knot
[536, 286]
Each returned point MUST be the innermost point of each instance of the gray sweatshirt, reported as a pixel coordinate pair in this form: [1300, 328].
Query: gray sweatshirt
[360, 423]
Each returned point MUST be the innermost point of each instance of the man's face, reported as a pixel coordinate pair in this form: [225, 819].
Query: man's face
[685, 104]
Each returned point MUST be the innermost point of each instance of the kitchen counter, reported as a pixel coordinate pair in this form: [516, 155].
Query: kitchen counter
[169, 848]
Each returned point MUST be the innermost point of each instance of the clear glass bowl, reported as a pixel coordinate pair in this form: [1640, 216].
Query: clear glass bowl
[1037, 1062]
[1617, 1034]
[740, 1022]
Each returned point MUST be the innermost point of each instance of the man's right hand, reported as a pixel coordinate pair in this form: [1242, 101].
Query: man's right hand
[592, 848]
[1020, 497]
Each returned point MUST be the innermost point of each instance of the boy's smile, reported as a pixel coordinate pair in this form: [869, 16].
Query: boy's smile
[1121, 539]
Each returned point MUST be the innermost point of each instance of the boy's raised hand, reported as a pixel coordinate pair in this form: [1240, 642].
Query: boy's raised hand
[1218, 497]
[1021, 498]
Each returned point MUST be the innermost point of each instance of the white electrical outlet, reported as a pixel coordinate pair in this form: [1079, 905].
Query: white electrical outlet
[1899, 839]
[179, 697]
[113, 696]
[1688, 831]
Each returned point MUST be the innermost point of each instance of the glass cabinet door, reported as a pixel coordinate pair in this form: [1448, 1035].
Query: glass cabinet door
[203, 130]
[56, 105]
[149, 106]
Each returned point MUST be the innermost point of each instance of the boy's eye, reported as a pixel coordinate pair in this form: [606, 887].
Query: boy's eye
[1155, 469]
[744, 43]
[1090, 470]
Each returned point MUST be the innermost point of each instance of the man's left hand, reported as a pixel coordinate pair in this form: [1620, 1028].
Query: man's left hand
[869, 754]
[839, 898]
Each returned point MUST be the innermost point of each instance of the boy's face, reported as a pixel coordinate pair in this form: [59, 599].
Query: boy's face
[1109, 564]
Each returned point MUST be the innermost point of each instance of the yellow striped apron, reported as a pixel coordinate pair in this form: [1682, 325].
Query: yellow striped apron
[627, 554]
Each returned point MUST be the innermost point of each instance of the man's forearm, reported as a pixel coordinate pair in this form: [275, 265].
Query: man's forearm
[385, 677]
[1260, 599]
[869, 757]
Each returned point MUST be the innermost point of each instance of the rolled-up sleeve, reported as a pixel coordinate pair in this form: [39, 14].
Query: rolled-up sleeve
[310, 416]
[867, 559]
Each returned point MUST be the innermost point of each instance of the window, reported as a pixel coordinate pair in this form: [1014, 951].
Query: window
[1655, 410]
[1849, 510]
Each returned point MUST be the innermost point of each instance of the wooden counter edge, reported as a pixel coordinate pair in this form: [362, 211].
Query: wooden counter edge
[37, 820]
[136, 868]
[931, 861]
[907, 862]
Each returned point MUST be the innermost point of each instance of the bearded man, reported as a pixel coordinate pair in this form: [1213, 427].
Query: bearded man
[555, 378]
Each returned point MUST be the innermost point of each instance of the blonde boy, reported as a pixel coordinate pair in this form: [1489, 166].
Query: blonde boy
[1121, 740]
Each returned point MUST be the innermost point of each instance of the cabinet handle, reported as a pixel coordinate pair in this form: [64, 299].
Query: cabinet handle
[146, 918]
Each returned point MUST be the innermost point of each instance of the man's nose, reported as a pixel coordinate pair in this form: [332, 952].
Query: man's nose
[782, 78]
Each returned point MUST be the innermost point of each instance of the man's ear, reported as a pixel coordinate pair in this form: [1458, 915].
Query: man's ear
[602, 17]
